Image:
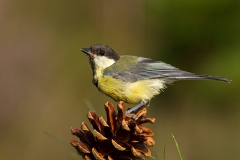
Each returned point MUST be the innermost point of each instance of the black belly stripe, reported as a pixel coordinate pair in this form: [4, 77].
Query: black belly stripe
[95, 82]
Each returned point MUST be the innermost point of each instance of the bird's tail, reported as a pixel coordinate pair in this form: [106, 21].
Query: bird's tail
[192, 76]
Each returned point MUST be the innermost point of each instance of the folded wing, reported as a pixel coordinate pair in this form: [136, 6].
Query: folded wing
[145, 68]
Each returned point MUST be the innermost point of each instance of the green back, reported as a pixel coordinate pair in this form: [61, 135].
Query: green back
[123, 64]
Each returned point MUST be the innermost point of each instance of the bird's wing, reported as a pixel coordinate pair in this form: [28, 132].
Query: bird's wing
[142, 68]
[131, 69]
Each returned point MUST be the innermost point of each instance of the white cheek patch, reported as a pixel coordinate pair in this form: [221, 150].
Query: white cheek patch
[102, 62]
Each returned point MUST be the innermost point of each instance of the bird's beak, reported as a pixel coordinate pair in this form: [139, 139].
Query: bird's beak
[87, 51]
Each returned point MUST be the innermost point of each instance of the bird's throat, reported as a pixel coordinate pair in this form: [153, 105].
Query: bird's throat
[97, 73]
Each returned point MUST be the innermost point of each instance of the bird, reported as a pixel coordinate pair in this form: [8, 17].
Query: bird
[133, 79]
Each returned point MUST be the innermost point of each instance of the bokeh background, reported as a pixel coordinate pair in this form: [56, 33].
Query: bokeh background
[45, 79]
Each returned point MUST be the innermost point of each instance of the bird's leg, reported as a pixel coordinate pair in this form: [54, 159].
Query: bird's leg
[144, 103]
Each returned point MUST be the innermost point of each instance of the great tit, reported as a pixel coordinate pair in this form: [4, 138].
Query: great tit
[132, 79]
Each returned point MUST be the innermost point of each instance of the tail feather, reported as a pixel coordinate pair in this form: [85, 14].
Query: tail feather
[191, 76]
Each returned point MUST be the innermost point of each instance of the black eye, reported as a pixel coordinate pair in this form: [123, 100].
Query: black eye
[102, 53]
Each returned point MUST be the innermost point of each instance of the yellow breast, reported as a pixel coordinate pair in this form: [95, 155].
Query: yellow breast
[130, 92]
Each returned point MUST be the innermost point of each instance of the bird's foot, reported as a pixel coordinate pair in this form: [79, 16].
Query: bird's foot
[132, 113]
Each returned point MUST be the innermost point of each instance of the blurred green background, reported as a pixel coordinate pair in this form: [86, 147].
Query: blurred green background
[45, 78]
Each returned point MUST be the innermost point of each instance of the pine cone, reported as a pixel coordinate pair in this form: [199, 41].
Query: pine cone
[120, 138]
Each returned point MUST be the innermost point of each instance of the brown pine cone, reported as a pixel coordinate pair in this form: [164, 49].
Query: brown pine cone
[120, 138]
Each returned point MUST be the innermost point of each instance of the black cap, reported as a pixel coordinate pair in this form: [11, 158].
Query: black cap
[101, 50]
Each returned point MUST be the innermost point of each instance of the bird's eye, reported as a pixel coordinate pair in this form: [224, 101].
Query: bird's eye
[102, 53]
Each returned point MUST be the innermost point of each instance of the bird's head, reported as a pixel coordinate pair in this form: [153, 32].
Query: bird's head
[101, 56]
